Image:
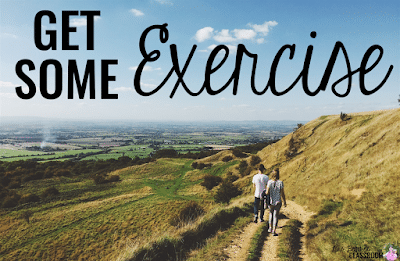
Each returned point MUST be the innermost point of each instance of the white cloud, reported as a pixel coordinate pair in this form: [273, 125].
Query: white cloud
[241, 106]
[260, 40]
[148, 85]
[236, 35]
[146, 68]
[164, 2]
[263, 28]
[129, 89]
[7, 84]
[136, 12]
[224, 37]
[78, 22]
[244, 34]
[6, 87]
[204, 34]
[7, 35]
[123, 89]
[232, 48]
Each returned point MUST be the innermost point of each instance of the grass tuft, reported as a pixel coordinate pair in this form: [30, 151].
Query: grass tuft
[289, 241]
[257, 243]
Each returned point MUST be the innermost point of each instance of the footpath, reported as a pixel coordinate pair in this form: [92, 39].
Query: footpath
[238, 250]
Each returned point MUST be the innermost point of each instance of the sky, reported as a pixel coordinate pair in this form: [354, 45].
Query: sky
[263, 27]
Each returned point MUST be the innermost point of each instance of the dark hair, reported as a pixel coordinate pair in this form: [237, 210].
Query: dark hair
[261, 168]
[275, 174]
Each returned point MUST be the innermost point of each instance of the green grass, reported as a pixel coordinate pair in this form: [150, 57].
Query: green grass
[43, 156]
[177, 248]
[95, 222]
[213, 250]
[220, 168]
[257, 242]
[289, 241]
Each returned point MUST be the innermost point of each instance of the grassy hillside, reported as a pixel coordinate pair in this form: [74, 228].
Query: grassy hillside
[344, 170]
[348, 172]
[98, 222]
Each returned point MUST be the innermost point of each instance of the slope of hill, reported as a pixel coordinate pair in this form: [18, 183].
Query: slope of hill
[348, 171]
[344, 169]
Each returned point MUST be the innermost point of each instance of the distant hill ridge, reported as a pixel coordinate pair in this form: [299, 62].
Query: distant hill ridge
[336, 156]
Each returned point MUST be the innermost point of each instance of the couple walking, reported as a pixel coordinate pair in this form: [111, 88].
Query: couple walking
[274, 188]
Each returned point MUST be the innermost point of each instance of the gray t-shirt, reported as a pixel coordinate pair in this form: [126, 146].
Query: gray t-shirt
[275, 188]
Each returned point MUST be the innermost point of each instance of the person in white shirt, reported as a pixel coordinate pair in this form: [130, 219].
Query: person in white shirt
[277, 194]
[260, 181]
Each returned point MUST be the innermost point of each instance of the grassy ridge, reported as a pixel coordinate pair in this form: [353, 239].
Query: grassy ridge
[353, 163]
[176, 248]
[96, 222]
[289, 241]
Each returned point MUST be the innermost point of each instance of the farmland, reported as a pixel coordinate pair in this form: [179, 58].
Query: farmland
[47, 140]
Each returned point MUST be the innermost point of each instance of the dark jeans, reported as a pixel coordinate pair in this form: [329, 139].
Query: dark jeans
[257, 202]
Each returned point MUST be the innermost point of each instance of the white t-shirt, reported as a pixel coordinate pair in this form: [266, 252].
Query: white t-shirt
[260, 180]
[275, 188]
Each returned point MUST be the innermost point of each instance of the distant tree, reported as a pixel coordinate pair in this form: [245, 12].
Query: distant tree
[30, 197]
[27, 215]
[194, 164]
[226, 192]
[344, 116]
[62, 173]
[190, 212]
[254, 160]
[210, 181]
[50, 192]
[238, 153]
[244, 168]
[11, 200]
[299, 125]
[113, 178]
[227, 158]
[292, 149]
[230, 177]
[14, 184]
[165, 153]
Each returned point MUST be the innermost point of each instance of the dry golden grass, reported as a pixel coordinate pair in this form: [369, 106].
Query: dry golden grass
[216, 157]
[355, 162]
[336, 157]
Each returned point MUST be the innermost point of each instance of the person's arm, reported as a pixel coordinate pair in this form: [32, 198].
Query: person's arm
[283, 197]
[266, 192]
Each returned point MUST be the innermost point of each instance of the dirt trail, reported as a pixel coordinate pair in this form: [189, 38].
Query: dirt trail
[238, 250]
[240, 245]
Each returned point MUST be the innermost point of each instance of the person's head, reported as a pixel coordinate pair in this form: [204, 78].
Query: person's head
[274, 174]
[261, 168]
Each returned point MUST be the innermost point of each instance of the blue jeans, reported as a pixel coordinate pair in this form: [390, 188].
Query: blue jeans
[257, 202]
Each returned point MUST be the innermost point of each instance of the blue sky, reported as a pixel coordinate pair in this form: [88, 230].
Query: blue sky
[262, 26]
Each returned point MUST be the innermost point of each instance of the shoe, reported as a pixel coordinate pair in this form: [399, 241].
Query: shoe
[269, 230]
[262, 220]
[274, 233]
[255, 220]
